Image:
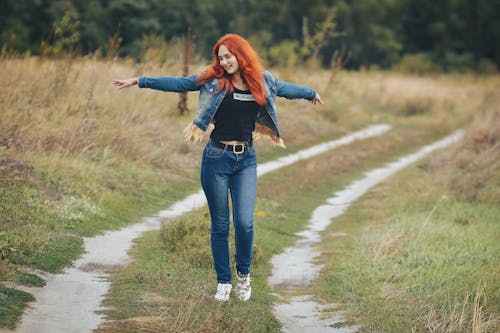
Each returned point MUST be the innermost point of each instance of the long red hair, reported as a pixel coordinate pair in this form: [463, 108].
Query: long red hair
[250, 67]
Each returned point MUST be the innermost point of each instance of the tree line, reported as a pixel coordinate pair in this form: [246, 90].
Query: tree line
[452, 35]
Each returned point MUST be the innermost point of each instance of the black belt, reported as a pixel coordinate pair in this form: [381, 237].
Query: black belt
[237, 149]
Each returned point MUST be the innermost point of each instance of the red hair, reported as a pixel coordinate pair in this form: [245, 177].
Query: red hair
[250, 68]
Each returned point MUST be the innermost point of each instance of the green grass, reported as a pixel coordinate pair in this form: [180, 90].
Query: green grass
[49, 203]
[415, 257]
[171, 282]
[12, 303]
[28, 279]
[169, 289]
[49, 208]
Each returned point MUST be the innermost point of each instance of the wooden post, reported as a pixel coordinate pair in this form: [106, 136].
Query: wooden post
[187, 53]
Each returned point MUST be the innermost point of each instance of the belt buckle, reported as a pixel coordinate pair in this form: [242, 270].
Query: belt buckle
[239, 152]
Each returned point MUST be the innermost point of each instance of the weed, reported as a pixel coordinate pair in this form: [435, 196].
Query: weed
[416, 107]
[189, 239]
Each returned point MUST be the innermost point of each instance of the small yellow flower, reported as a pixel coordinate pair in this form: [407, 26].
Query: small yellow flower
[261, 213]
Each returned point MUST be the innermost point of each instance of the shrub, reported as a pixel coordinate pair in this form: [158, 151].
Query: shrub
[458, 62]
[284, 54]
[487, 66]
[416, 106]
[416, 64]
[188, 239]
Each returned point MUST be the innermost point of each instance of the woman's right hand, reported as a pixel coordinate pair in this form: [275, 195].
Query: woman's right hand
[317, 99]
[126, 83]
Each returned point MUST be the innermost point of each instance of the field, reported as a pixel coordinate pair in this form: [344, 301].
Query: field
[419, 252]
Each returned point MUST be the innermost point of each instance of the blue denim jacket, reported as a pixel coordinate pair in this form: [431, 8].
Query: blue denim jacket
[210, 99]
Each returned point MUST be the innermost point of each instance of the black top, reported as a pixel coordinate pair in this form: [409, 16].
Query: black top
[236, 116]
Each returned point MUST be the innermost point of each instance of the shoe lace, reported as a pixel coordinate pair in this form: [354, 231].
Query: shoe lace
[223, 288]
[243, 282]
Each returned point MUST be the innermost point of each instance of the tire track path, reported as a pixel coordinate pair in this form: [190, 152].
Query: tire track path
[70, 302]
[295, 268]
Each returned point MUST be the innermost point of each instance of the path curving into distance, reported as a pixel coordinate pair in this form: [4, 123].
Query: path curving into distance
[295, 268]
[70, 301]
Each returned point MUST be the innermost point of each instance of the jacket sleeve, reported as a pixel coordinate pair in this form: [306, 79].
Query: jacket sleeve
[169, 83]
[294, 91]
[287, 89]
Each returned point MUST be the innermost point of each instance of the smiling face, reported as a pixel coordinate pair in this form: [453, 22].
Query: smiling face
[228, 60]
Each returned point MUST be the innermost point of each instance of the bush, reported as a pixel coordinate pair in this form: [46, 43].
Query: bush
[416, 106]
[284, 54]
[188, 239]
[458, 62]
[487, 66]
[416, 64]
[476, 161]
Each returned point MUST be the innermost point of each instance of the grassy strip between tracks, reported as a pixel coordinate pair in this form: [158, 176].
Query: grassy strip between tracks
[170, 285]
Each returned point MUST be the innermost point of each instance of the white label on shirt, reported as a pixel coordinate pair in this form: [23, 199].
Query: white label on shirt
[243, 97]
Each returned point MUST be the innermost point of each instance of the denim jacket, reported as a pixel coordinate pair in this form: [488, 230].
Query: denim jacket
[210, 98]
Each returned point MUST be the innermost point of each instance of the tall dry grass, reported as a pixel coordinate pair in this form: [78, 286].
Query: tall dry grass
[356, 98]
[475, 163]
[71, 107]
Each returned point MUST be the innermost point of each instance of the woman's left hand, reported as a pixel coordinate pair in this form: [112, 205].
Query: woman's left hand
[126, 83]
[317, 99]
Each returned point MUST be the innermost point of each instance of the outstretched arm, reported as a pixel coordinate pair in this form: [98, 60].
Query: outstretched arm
[292, 90]
[164, 83]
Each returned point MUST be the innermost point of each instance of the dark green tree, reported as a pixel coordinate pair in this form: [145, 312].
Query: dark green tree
[457, 34]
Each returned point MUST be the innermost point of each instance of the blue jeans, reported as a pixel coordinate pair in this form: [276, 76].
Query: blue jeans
[224, 172]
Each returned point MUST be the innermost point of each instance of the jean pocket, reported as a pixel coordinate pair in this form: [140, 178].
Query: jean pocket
[251, 151]
[213, 152]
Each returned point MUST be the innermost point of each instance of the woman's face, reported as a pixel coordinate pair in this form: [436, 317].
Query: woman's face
[228, 60]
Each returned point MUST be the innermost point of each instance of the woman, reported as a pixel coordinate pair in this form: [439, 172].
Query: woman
[239, 98]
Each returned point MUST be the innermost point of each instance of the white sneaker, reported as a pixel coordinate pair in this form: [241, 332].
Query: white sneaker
[223, 291]
[243, 288]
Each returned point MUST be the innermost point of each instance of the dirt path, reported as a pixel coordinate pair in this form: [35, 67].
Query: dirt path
[295, 268]
[70, 301]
